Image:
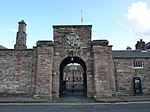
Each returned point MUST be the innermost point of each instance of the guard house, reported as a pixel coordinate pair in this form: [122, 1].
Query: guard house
[72, 65]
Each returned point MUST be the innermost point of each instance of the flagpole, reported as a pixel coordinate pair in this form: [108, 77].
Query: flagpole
[81, 18]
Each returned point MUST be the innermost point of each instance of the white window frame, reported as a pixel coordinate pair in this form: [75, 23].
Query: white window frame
[138, 64]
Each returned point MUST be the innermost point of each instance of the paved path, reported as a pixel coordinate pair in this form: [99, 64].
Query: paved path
[77, 100]
[60, 100]
[125, 99]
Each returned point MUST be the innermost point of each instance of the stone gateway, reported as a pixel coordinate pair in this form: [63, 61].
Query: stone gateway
[72, 65]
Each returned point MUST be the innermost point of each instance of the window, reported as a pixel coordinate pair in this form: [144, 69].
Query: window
[138, 64]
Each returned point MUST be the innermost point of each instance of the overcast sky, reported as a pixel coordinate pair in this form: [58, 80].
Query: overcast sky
[121, 22]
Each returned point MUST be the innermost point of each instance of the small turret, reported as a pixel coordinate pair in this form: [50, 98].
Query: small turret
[21, 36]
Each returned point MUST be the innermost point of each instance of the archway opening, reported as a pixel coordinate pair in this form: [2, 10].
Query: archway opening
[73, 79]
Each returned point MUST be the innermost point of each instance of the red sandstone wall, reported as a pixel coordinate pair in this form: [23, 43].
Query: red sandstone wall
[44, 70]
[103, 70]
[15, 71]
[124, 73]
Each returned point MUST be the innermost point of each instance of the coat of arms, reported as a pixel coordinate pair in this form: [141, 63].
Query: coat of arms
[72, 39]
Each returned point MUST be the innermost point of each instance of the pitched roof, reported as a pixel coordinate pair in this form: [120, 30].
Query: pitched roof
[131, 54]
[2, 47]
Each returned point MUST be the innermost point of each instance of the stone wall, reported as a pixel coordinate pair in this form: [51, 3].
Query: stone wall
[15, 71]
[38, 71]
[83, 51]
[103, 68]
[44, 67]
[125, 71]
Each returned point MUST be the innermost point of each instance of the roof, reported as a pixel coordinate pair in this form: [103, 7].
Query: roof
[148, 44]
[131, 54]
[2, 47]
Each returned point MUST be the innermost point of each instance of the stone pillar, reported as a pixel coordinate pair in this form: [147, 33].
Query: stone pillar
[44, 68]
[21, 36]
[103, 68]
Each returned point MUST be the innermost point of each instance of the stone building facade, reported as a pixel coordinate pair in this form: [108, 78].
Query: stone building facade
[40, 71]
[130, 64]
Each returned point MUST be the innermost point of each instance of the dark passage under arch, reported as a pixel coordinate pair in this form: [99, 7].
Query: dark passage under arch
[63, 87]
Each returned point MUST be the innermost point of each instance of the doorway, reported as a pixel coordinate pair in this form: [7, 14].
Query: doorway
[73, 79]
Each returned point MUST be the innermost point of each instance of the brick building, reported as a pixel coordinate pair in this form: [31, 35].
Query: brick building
[73, 64]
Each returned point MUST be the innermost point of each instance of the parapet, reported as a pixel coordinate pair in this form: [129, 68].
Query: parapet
[44, 43]
[100, 42]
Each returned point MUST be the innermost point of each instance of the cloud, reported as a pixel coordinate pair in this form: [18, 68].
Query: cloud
[138, 19]
[13, 30]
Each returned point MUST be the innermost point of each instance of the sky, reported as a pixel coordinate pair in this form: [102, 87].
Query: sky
[121, 22]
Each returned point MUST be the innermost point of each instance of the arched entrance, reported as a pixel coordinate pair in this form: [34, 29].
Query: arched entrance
[73, 79]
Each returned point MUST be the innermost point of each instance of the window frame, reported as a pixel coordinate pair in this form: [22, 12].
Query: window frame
[138, 64]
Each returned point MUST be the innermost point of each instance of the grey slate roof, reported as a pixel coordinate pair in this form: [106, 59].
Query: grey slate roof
[130, 54]
[2, 47]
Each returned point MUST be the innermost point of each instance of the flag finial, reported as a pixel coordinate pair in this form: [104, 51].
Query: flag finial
[81, 18]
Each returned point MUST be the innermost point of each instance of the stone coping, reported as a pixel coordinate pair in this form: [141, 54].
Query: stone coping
[44, 42]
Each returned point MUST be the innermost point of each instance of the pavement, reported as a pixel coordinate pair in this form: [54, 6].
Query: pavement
[76, 100]
[124, 99]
